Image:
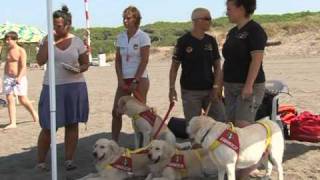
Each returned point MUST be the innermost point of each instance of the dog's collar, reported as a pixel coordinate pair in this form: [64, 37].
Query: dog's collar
[206, 134]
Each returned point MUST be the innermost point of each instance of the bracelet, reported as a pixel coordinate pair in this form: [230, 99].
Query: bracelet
[135, 81]
[215, 86]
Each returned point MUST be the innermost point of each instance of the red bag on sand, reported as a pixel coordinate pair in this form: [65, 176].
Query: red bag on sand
[287, 113]
[305, 127]
[287, 108]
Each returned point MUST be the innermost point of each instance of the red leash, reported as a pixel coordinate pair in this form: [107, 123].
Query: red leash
[138, 96]
[135, 93]
[164, 120]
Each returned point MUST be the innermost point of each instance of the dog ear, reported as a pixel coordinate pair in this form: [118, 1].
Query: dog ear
[194, 125]
[168, 150]
[114, 147]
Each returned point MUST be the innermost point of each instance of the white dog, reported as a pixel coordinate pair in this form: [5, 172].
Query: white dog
[170, 163]
[146, 122]
[252, 144]
[112, 162]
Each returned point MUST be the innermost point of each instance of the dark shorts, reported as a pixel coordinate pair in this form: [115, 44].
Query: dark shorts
[72, 105]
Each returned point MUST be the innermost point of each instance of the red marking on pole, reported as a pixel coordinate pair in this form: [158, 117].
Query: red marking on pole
[87, 15]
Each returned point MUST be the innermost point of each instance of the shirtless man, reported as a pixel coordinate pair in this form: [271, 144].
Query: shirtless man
[14, 80]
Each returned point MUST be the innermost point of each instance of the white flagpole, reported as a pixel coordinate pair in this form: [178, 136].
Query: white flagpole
[52, 87]
[86, 7]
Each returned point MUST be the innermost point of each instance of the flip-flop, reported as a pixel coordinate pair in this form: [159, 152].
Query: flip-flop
[68, 164]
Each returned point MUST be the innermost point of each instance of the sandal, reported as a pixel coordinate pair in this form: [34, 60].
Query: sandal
[68, 164]
[42, 167]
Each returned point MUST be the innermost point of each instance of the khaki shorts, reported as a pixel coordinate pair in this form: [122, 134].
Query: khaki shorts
[196, 101]
[238, 108]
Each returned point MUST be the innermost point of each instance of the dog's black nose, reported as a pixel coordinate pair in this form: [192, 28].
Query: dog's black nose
[149, 156]
[95, 154]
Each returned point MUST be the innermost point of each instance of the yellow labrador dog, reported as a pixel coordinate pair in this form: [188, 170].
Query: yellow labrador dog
[171, 164]
[116, 163]
[146, 122]
[254, 140]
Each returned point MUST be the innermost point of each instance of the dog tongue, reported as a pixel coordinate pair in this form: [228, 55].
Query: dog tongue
[102, 157]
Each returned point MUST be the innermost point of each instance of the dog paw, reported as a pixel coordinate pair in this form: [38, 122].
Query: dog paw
[184, 146]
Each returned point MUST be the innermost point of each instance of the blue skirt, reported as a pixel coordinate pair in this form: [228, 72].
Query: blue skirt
[71, 101]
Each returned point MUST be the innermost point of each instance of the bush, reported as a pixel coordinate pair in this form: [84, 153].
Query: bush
[166, 33]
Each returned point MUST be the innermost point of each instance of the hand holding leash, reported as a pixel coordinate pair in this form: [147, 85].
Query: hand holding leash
[173, 95]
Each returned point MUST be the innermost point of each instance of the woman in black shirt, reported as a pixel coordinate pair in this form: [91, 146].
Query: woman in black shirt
[244, 79]
[243, 72]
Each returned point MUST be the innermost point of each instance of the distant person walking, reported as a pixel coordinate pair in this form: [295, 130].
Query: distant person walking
[201, 76]
[132, 56]
[72, 105]
[15, 81]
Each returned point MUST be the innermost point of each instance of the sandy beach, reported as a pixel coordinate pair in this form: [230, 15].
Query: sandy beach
[18, 146]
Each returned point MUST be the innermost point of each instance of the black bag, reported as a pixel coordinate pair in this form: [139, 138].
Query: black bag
[265, 109]
[178, 127]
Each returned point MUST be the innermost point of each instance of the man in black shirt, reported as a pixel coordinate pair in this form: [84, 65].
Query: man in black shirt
[198, 53]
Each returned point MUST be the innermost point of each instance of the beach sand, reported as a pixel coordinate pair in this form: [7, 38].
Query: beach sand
[18, 146]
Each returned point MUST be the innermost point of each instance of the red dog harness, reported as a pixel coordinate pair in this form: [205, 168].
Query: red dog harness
[230, 138]
[147, 115]
[124, 162]
[177, 161]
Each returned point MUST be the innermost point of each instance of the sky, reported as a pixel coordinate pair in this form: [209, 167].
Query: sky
[105, 13]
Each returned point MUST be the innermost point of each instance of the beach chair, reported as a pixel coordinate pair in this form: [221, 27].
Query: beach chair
[270, 103]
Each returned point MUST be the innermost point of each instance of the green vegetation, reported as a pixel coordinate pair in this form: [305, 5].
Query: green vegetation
[166, 33]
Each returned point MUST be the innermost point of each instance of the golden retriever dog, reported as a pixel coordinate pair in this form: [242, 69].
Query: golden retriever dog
[252, 145]
[111, 165]
[147, 125]
[171, 164]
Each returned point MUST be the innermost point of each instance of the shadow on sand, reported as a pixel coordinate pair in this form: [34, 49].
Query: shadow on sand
[22, 165]
[294, 149]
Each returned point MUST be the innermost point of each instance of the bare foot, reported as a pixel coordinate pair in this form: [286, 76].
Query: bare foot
[10, 126]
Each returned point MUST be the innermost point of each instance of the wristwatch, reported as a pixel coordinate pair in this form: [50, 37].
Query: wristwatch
[135, 81]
